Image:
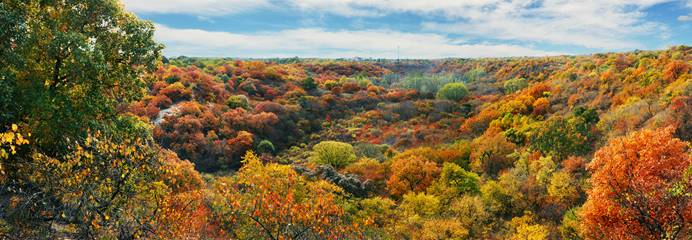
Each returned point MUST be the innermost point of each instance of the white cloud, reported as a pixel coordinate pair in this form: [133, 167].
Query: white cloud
[194, 7]
[688, 17]
[595, 24]
[376, 8]
[311, 42]
[605, 24]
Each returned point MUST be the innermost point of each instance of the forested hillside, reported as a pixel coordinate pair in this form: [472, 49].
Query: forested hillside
[101, 137]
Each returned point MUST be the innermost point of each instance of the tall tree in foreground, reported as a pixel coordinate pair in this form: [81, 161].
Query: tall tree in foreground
[70, 64]
[641, 188]
[65, 69]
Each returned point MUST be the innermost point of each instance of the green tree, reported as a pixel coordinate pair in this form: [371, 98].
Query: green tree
[238, 101]
[66, 68]
[570, 227]
[420, 204]
[309, 83]
[415, 214]
[427, 84]
[70, 64]
[474, 74]
[453, 91]
[562, 137]
[453, 182]
[336, 154]
[457, 177]
[515, 84]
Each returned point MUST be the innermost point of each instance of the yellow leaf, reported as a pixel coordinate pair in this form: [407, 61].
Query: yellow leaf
[14, 127]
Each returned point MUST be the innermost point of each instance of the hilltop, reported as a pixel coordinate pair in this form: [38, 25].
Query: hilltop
[101, 137]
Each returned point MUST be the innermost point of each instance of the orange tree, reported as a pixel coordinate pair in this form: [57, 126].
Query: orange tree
[641, 188]
[412, 173]
[271, 201]
[184, 212]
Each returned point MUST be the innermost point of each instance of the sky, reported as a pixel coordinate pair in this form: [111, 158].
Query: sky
[413, 29]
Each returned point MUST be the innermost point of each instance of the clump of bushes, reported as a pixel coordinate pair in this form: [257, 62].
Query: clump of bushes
[336, 154]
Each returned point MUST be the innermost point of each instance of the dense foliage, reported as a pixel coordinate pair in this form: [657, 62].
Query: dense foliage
[100, 138]
[640, 188]
[453, 91]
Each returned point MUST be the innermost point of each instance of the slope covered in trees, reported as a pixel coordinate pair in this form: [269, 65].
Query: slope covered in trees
[101, 137]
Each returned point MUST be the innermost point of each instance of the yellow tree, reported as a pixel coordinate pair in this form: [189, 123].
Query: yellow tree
[271, 201]
[104, 187]
[526, 228]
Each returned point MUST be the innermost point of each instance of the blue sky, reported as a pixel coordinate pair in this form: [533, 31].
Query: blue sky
[420, 28]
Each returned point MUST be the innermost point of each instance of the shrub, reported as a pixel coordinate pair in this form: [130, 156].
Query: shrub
[176, 92]
[265, 146]
[490, 152]
[238, 101]
[454, 181]
[369, 170]
[458, 178]
[453, 91]
[309, 83]
[515, 84]
[420, 204]
[336, 154]
[369, 150]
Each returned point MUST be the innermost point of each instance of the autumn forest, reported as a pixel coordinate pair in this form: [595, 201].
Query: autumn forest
[104, 137]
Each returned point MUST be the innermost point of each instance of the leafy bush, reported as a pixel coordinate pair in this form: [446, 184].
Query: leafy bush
[453, 91]
[458, 178]
[515, 84]
[238, 101]
[309, 83]
[177, 92]
[474, 75]
[453, 182]
[371, 150]
[427, 83]
[265, 146]
[336, 154]
[564, 137]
